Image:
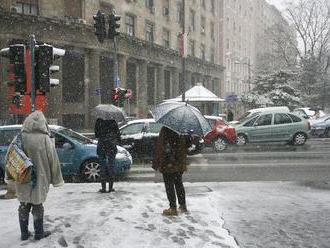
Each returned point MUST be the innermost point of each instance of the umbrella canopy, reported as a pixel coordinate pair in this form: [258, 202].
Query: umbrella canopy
[181, 117]
[109, 112]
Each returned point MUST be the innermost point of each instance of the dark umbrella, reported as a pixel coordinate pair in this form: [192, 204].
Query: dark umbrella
[109, 112]
[181, 117]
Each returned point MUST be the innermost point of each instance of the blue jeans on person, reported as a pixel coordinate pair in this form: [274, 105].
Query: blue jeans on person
[107, 171]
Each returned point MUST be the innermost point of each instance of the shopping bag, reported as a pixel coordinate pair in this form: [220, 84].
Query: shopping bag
[18, 165]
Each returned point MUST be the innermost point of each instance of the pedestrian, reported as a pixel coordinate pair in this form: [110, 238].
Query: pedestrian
[108, 135]
[171, 161]
[230, 115]
[38, 146]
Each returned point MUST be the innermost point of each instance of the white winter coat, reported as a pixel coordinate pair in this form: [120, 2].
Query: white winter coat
[39, 147]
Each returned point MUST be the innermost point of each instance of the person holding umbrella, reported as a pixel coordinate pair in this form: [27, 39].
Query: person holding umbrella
[108, 135]
[171, 161]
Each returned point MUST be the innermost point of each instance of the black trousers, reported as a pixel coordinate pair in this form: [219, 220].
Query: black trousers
[173, 183]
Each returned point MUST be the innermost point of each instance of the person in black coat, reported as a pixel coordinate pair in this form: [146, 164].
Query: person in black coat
[108, 135]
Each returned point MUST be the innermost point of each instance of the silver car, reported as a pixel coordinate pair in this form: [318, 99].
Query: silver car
[273, 127]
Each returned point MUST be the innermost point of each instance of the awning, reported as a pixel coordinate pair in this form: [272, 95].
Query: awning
[198, 93]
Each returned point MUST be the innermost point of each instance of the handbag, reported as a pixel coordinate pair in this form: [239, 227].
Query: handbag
[18, 165]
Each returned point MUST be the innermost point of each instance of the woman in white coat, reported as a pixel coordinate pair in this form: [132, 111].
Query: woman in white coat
[38, 146]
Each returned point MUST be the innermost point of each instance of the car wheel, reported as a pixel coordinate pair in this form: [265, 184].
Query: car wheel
[91, 171]
[299, 139]
[220, 144]
[241, 140]
[327, 133]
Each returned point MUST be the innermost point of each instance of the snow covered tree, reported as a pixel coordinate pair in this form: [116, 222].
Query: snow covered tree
[311, 20]
[276, 89]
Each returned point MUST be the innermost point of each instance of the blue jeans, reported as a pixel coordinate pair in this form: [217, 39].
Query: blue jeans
[107, 170]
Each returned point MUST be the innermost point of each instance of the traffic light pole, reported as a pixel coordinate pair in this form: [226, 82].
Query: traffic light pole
[183, 83]
[32, 45]
[116, 67]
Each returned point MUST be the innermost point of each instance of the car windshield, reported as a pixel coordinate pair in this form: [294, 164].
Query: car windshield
[74, 135]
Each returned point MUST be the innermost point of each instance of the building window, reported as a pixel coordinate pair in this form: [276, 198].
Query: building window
[73, 72]
[212, 51]
[212, 30]
[202, 25]
[73, 8]
[166, 38]
[151, 85]
[27, 7]
[150, 5]
[192, 20]
[149, 32]
[179, 13]
[227, 44]
[202, 51]
[130, 24]
[192, 47]
[213, 7]
[106, 65]
[166, 8]
[203, 4]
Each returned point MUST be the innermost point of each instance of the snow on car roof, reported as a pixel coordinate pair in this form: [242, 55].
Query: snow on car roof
[54, 127]
[141, 121]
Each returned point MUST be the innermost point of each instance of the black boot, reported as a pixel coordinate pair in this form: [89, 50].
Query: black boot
[39, 230]
[38, 222]
[23, 216]
[103, 189]
[111, 189]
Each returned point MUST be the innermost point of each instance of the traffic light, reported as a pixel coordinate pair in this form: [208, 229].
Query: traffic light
[113, 26]
[119, 95]
[16, 55]
[115, 95]
[99, 25]
[45, 57]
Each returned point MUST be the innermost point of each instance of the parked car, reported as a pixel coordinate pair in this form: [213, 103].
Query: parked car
[321, 127]
[139, 137]
[253, 112]
[273, 127]
[308, 113]
[221, 135]
[77, 153]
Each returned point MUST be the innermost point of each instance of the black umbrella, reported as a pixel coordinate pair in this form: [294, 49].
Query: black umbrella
[109, 112]
[181, 117]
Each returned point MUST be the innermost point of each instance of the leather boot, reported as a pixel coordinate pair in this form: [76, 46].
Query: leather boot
[103, 189]
[38, 222]
[39, 230]
[23, 216]
[111, 189]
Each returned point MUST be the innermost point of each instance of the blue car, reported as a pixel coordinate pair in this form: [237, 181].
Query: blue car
[77, 153]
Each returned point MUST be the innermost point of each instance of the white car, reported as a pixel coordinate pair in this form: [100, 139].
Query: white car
[308, 113]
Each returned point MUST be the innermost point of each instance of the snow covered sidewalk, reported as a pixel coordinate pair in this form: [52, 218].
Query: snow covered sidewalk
[131, 217]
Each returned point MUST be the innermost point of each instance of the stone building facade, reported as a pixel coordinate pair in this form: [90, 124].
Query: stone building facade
[148, 56]
[244, 44]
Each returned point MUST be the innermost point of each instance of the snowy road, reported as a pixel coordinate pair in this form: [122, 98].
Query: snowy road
[256, 214]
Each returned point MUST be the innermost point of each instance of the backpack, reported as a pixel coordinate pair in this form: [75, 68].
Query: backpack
[19, 166]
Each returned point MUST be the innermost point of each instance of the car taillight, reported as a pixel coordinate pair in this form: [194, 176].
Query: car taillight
[308, 125]
[231, 130]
